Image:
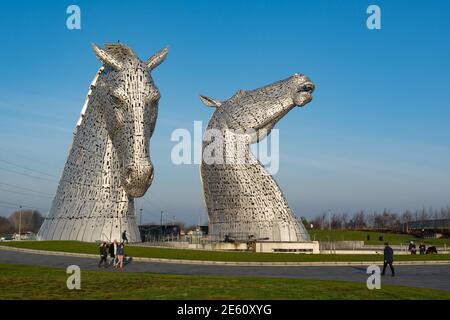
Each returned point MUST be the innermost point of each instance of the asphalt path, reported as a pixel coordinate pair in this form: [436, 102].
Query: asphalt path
[426, 276]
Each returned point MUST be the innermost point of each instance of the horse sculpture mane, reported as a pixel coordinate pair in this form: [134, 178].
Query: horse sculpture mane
[109, 162]
[242, 199]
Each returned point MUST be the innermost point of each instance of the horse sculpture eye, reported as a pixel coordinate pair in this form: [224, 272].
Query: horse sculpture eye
[117, 100]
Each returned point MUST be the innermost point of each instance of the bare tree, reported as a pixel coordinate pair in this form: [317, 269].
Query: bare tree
[336, 221]
[6, 226]
[319, 222]
[359, 220]
[371, 217]
[387, 220]
[445, 213]
[407, 217]
[423, 215]
[30, 220]
[344, 219]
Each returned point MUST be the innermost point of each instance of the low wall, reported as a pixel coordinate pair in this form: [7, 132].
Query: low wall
[225, 246]
[341, 245]
[288, 247]
[348, 247]
[263, 246]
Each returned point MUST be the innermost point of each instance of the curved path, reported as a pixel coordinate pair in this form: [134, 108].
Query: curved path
[425, 276]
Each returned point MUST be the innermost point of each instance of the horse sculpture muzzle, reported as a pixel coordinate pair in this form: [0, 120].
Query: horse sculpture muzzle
[136, 179]
[303, 95]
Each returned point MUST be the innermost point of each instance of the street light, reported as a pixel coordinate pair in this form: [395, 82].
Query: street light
[20, 222]
[329, 219]
[161, 223]
[140, 217]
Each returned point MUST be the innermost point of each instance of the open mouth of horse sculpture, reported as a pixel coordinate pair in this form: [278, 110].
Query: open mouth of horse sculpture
[304, 94]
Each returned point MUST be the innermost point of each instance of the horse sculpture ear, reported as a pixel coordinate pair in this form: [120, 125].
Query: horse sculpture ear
[106, 58]
[210, 102]
[156, 59]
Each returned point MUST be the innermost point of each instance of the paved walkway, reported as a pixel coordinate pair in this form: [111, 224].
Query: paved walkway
[426, 276]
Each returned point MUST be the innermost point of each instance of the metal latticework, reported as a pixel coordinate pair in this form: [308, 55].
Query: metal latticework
[108, 163]
[241, 197]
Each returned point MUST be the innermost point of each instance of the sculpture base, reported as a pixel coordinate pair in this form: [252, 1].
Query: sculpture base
[308, 247]
[97, 230]
[258, 230]
[288, 247]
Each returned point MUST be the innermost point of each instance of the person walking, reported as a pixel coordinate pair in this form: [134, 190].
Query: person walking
[120, 253]
[103, 255]
[112, 252]
[124, 236]
[388, 259]
[412, 247]
[422, 248]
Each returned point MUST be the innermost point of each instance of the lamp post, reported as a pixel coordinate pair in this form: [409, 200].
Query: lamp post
[140, 216]
[329, 219]
[161, 223]
[20, 222]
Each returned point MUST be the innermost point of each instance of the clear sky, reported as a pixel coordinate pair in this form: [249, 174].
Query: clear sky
[375, 136]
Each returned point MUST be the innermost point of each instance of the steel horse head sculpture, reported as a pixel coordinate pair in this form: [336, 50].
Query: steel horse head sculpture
[109, 162]
[241, 198]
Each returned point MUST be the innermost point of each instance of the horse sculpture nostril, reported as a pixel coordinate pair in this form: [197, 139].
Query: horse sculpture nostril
[137, 178]
[308, 87]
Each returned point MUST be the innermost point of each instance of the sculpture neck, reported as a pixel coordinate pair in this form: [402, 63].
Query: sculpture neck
[93, 163]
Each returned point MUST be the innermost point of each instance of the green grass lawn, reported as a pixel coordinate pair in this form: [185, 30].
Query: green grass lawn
[185, 254]
[392, 238]
[25, 282]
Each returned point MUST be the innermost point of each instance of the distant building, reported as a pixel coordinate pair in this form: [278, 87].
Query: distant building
[428, 228]
[24, 236]
[155, 232]
[204, 229]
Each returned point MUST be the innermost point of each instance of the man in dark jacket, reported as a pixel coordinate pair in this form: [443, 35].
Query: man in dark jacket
[103, 255]
[124, 237]
[112, 253]
[388, 259]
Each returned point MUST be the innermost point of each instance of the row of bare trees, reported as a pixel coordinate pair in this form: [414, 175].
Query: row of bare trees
[373, 220]
[29, 220]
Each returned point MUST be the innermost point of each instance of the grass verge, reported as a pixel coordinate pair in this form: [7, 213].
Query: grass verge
[27, 282]
[185, 254]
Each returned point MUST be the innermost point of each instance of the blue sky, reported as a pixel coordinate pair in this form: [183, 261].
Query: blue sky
[375, 136]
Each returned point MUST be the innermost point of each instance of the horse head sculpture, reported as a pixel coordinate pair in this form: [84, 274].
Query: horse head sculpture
[109, 160]
[264, 107]
[130, 102]
[242, 199]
